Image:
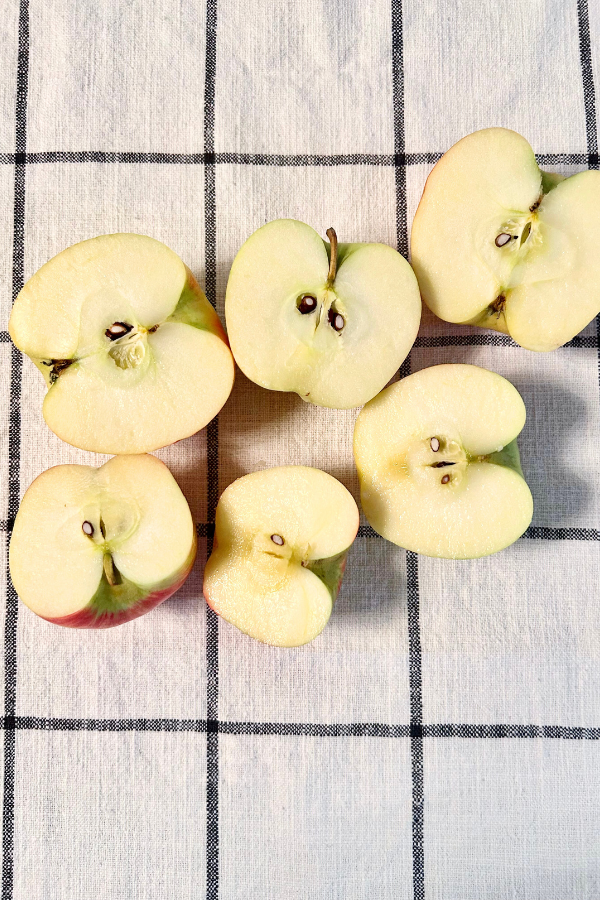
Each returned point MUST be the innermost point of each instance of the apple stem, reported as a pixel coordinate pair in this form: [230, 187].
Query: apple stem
[109, 570]
[332, 257]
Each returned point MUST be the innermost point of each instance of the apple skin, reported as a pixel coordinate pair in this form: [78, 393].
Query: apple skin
[91, 617]
[331, 572]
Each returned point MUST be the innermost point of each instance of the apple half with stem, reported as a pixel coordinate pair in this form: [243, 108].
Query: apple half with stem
[281, 540]
[93, 548]
[498, 243]
[438, 462]
[133, 353]
[332, 322]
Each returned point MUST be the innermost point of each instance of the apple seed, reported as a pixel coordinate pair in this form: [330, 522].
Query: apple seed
[445, 479]
[502, 239]
[117, 330]
[306, 303]
[277, 539]
[336, 320]
[434, 444]
[88, 528]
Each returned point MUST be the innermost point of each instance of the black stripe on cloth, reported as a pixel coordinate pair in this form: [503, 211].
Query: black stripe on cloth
[308, 729]
[416, 723]
[212, 437]
[133, 157]
[14, 450]
[589, 102]
[534, 532]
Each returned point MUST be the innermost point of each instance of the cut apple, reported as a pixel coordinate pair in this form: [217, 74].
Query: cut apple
[498, 243]
[332, 323]
[134, 355]
[281, 539]
[93, 548]
[438, 462]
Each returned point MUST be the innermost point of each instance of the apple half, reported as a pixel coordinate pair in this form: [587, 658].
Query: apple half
[133, 353]
[331, 322]
[438, 462]
[498, 243]
[93, 548]
[281, 539]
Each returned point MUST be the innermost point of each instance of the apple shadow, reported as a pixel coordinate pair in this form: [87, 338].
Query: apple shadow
[560, 494]
[259, 428]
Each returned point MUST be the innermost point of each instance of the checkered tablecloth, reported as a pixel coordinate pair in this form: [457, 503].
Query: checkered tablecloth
[441, 739]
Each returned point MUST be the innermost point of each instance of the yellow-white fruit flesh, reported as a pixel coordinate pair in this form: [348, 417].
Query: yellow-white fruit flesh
[458, 414]
[56, 568]
[543, 284]
[275, 345]
[262, 587]
[161, 381]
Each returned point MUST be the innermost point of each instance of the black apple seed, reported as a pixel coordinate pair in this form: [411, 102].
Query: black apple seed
[434, 444]
[502, 239]
[88, 528]
[117, 330]
[306, 304]
[277, 539]
[445, 479]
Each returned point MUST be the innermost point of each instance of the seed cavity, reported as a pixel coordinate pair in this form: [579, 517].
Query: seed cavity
[434, 444]
[445, 479]
[88, 528]
[502, 239]
[277, 539]
[442, 464]
[306, 303]
[336, 320]
[118, 330]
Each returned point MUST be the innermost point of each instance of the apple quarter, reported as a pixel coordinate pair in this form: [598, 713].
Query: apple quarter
[133, 354]
[498, 243]
[93, 548]
[438, 462]
[332, 322]
[279, 554]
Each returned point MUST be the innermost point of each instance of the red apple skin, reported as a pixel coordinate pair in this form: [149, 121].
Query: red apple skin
[88, 618]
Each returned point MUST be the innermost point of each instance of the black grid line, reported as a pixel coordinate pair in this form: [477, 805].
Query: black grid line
[212, 437]
[14, 451]
[416, 723]
[232, 158]
[308, 729]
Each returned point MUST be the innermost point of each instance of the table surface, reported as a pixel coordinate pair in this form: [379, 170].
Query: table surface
[440, 740]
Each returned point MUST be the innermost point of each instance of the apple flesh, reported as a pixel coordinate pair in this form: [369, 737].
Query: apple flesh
[498, 243]
[281, 539]
[93, 548]
[332, 323]
[438, 462]
[133, 354]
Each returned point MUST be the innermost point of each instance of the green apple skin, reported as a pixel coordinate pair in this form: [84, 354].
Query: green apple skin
[331, 572]
[120, 603]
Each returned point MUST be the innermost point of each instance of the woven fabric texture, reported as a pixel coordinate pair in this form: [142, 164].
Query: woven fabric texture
[441, 739]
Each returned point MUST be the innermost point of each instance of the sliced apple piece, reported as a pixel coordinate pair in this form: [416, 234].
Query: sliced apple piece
[332, 323]
[498, 243]
[93, 548]
[281, 539]
[134, 355]
[438, 462]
